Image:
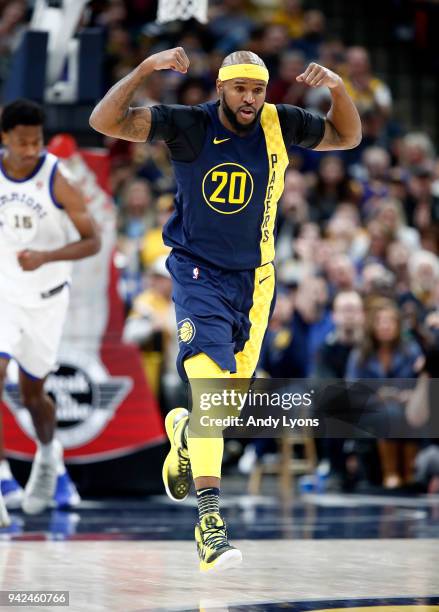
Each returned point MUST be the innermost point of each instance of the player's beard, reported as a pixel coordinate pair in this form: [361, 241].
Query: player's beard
[240, 128]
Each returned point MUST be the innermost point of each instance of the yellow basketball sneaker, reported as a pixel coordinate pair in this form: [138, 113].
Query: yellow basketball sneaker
[176, 470]
[214, 550]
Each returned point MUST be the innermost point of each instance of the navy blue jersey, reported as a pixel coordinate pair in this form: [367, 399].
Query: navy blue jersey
[228, 186]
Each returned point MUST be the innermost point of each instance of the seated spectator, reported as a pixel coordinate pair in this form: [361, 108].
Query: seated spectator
[330, 363]
[375, 245]
[398, 255]
[424, 279]
[293, 212]
[285, 89]
[422, 202]
[389, 212]
[367, 91]
[384, 354]
[274, 43]
[290, 14]
[332, 187]
[152, 246]
[341, 274]
[151, 325]
[152, 164]
[348, 317]
[136, 217]
[343, 228]
[314, 314]
[230, 25]
[417, 151]
[136, 214]
[314, 34]
[373, 173]
[192, 91]
[283, 353]
[376, 281]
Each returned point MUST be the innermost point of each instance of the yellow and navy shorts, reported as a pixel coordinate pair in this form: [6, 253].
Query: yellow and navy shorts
[222, 313]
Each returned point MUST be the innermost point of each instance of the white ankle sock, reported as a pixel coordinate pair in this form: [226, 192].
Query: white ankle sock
[47, 451]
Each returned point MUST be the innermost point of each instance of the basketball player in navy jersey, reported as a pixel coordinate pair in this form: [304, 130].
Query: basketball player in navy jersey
[229, 159]
[38, 204]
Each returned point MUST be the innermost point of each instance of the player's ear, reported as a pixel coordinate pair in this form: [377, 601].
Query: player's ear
[219, 86]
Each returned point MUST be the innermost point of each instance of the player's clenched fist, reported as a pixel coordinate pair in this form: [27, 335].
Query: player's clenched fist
[319, 76]
[30, 260]
[174, 59]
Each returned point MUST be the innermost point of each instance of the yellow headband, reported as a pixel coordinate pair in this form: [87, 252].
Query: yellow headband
[243, 71]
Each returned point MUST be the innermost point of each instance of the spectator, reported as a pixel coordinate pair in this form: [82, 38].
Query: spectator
[384, 354]
[136, 217]
[12, 26]
[151, 325]
[417, 151]
[422, 202]
[331, 361]
[374, 174]
[153, 246]
[377, 242]
[314, 314]
[136, 212]
[290, 14]
[293, 212]
[230, 26]
[398, 255]
[274, 42]
[332, 187]
[285, 89]
[314, 33]
[423, 268]
[341, 274]
[389, 213]
[367, 91]
[349, 319]
[376, 280]
[283, 353]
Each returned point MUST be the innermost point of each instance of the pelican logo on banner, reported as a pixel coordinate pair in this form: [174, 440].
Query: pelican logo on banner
[84, 405]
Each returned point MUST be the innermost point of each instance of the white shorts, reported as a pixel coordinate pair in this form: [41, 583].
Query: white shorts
[31, 336]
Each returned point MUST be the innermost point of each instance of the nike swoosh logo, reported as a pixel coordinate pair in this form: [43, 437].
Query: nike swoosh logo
[264, 279]
[219, 140]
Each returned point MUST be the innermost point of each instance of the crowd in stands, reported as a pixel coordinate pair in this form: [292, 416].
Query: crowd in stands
[358, 231]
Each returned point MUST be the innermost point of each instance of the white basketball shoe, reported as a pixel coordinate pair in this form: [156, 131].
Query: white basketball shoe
[40, 489]
[4, 517]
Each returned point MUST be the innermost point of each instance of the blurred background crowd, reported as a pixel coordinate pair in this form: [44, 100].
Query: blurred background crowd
[358, 231]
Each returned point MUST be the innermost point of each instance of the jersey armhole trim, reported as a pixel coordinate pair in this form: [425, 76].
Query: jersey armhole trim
[51, 186]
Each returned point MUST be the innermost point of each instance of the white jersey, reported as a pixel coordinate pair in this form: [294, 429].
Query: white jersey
[30, 218]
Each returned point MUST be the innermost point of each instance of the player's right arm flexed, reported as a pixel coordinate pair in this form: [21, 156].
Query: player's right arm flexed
[114, 116]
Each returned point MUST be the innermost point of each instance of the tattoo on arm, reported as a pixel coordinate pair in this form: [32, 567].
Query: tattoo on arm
[113, 115]
[136, 124]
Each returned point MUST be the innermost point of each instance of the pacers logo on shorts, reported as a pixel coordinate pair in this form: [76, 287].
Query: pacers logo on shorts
[186, 331]
[228, 188]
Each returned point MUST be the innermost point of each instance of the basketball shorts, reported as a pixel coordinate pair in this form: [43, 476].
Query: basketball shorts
[32, 336]
[221, 313]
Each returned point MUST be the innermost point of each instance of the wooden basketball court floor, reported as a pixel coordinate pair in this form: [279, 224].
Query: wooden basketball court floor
[323, 552]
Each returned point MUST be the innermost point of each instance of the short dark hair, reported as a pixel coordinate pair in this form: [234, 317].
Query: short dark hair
[21, 112]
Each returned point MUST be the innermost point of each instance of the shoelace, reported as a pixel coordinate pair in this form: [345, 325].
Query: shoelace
[43, 482]
[184, 464]
[215, 537]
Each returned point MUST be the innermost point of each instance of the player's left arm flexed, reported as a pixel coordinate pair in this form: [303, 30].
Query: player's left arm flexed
[343, 124]
[72, 200]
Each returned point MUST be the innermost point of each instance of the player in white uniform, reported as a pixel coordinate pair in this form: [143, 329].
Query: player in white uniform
[38, 202]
